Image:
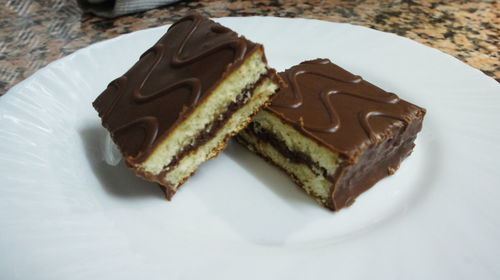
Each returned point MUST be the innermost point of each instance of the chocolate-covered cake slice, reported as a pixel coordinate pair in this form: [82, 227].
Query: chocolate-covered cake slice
[177, 106]
[335, 134]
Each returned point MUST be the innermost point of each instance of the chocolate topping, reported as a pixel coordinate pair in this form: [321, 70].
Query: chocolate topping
[338, 109]
[169, 80]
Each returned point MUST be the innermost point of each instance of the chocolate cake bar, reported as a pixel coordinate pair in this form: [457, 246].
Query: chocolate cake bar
[335, 134]
[177, 106]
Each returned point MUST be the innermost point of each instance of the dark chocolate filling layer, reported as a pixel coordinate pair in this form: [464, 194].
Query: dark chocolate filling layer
[212, 128]
[349, 181]
[294, 156]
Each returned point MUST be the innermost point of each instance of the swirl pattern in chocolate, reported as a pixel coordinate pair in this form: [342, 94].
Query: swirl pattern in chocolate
[339, 109]
[167, 83]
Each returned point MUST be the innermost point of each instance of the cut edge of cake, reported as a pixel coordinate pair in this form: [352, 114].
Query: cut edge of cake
[270, 137]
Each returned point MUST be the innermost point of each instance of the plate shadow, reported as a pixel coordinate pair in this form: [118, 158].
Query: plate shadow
[118, 181]
[271, 176]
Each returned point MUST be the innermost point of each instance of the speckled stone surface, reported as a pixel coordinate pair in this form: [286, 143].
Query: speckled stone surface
[34, 33]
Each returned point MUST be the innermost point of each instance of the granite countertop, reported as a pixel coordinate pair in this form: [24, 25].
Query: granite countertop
[34, 33]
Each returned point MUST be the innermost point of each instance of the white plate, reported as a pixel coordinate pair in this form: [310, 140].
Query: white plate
[65, 214]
